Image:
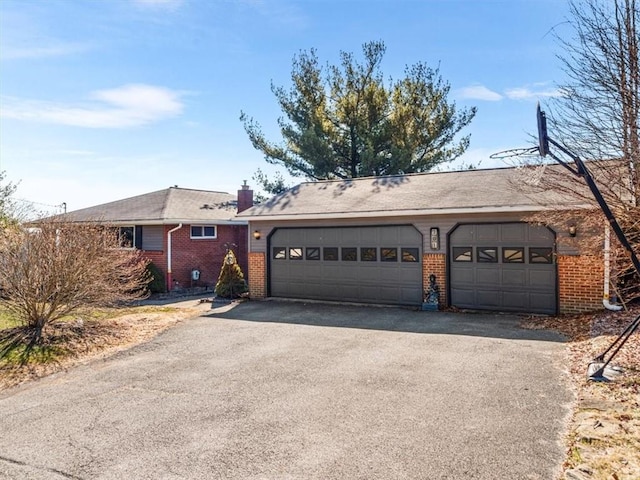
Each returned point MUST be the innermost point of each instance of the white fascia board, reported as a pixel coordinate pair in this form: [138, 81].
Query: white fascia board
[413, 213]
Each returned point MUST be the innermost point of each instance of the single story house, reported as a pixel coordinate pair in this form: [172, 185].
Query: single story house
[184, 232]
[380, 239]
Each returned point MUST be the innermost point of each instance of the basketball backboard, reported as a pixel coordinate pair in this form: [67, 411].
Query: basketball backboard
[543, 139]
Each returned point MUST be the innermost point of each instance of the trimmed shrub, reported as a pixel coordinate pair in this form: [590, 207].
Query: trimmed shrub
[157, 283]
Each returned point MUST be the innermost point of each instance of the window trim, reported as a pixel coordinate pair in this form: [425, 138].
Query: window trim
[202, 229]
[133, 237]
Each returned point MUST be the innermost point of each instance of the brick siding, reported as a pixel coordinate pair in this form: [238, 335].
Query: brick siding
[205, 255]
[435, 263]
[580, 283]
[258, 275]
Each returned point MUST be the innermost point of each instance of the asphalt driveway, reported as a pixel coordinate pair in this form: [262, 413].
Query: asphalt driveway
[279, 390]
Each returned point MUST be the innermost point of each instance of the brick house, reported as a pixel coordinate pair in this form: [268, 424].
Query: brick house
[379, 240]
[184, 232]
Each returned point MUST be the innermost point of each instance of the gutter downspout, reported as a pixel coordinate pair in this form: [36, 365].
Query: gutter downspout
[607, 247]
[169, 273]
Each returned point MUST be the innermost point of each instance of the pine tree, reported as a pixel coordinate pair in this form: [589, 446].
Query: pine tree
[231, 282]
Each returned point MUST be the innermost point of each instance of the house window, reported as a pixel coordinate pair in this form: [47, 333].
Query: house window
[202, 231]
[279, 253]
[126, 237]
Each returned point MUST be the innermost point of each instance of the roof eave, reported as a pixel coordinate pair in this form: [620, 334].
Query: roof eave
[167, 221]
[413, 212]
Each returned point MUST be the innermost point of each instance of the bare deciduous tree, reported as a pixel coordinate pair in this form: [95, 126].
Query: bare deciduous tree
[598, 117]
[52, 270]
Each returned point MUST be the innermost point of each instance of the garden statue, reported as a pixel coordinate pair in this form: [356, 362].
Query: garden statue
[431, 295]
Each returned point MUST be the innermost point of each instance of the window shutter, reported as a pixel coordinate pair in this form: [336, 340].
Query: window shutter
[138, 237]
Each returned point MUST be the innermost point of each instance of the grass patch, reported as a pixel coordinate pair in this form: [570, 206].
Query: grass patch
[7, 320]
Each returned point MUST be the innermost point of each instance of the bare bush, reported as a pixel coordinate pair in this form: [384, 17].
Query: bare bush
[57, 267]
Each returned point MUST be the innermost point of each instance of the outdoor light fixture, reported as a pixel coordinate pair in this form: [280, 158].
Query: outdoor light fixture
[572, 230]
[256, 234]
[435, 238]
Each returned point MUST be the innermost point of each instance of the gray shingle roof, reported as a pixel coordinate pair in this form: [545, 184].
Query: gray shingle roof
[468, 191]
[169, 206]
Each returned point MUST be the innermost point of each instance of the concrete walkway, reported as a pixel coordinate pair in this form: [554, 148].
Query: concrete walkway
[278, 390]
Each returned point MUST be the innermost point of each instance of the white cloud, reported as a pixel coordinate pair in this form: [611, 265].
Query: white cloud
[526, 93]
[13, 52]
[534, 92]
[479, 92]
[127, 106]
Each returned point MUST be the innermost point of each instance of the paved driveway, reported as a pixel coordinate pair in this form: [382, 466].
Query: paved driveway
[277, 390]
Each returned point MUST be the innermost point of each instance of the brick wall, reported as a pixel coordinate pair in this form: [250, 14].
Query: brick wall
[435, 263]
[580, 283]
[258, 275]
[205, 255]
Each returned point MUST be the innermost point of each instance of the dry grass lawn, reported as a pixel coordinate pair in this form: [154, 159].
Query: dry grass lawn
[95, 334]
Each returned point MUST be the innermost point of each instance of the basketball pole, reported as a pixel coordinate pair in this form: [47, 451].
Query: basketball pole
[598, 365]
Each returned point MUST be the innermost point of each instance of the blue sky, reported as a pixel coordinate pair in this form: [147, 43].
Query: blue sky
[105, 99]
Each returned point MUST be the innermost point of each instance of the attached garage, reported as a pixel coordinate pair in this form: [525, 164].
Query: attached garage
[504, 267]
[379, 240]
[369, 264]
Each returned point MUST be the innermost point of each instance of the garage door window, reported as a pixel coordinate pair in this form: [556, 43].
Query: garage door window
[513, 255]
[389, 254]
[330, 254]
[313, 253]
[295, 253]
[462, 254]
[540, 255]
[409, 254]
[349, 254]
[487, 254]
[369, 254]
[279, 253]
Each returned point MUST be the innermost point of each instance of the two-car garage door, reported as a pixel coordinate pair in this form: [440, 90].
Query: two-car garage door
[355, 264]
[491, 266]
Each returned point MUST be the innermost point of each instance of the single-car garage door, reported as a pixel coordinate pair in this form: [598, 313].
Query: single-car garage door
[356, 264]
[506, 266]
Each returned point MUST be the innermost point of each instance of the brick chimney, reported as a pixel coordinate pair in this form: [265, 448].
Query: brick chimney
[245, 198]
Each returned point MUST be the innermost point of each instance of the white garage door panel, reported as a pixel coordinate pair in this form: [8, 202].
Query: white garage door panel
[361, 280]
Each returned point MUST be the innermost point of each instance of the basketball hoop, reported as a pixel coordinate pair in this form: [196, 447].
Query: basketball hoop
[515, 152]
